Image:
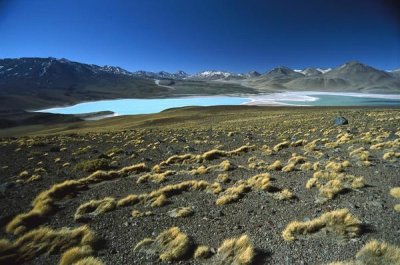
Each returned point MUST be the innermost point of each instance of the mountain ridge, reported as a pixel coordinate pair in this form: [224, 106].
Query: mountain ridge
[33, 82]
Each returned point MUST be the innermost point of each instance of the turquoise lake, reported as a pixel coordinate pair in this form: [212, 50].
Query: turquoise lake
[147, 106]
[334, 100]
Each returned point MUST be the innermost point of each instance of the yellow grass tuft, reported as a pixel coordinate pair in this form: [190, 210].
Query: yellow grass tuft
[44, 241]
[283, 195]
[236, 251]
[395, 192]
[159, 201]
[235, 192]
[374, 253]
[232, 194]
[277, 165]
[129, 200]
[155, 177]
[94, 208]
[136, 213]
[334, 167]
[202, 252]
[306, 166]
[181, 212]
[331, 183]
[89, 261]
[170, 245]
[43, 204]
[223, 178]
[289, 167]
[340, 222]
[72, 255]
[281, 146]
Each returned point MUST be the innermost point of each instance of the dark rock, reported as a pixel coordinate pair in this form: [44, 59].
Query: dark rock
[341, 121]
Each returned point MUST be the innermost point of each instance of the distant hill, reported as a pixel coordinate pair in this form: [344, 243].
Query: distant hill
[352, 76]
[33, 83]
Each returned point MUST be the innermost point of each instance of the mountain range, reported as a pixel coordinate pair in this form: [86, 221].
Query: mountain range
[29, 83]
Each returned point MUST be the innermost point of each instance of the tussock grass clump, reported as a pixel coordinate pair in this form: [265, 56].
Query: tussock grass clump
[181, 212]
[136, 213]
[202, 252]
[159, 201]
[209, 155]
[306, 166]
[73, 255]
[155, 177]
[44, 241]
[334, 166]
[170, 245]
[339, 222]
[289, 167]
[89, 261]
[201, 170]
[256, 163]
[297, 159]
[283, 195]
[235, 251]
[234, 193]
[42, 206]
[277, 165]
[129, 200]
[360, 153]
[391, 155]
[395, 192]
[332, 183]
[93, 165]
[223, 178]
[281, 146]
[94, 208]
[375, 253]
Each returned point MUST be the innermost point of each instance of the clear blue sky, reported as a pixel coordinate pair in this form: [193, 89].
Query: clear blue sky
[194, 35]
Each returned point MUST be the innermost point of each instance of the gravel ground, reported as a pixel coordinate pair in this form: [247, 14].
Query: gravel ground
[257, 213]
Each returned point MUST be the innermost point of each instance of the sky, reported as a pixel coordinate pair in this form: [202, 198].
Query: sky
[196, 35]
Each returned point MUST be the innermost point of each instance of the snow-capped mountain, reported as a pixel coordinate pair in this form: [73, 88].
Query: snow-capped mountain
[216, 75]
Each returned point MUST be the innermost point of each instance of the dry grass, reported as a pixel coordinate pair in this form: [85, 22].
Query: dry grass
[375, 253]
[94, 208]
[234, 193]
[73, 255]
[395, 192]
[44, 241]
[340, 222]
[235, 251]
[277, 165]
[93, 165]
[155, 177]
[202, 252]
[159, 201]
[180, 212]
[129, 200]
[170, 245]
[281, 146]
[209, 155]
[89, 261]
[331, 183]
[283, 195]
[289, 167]
[223, 178]
[43, 204]
[136, 213]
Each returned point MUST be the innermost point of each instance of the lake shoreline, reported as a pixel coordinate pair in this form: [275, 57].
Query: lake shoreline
[284, 98]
